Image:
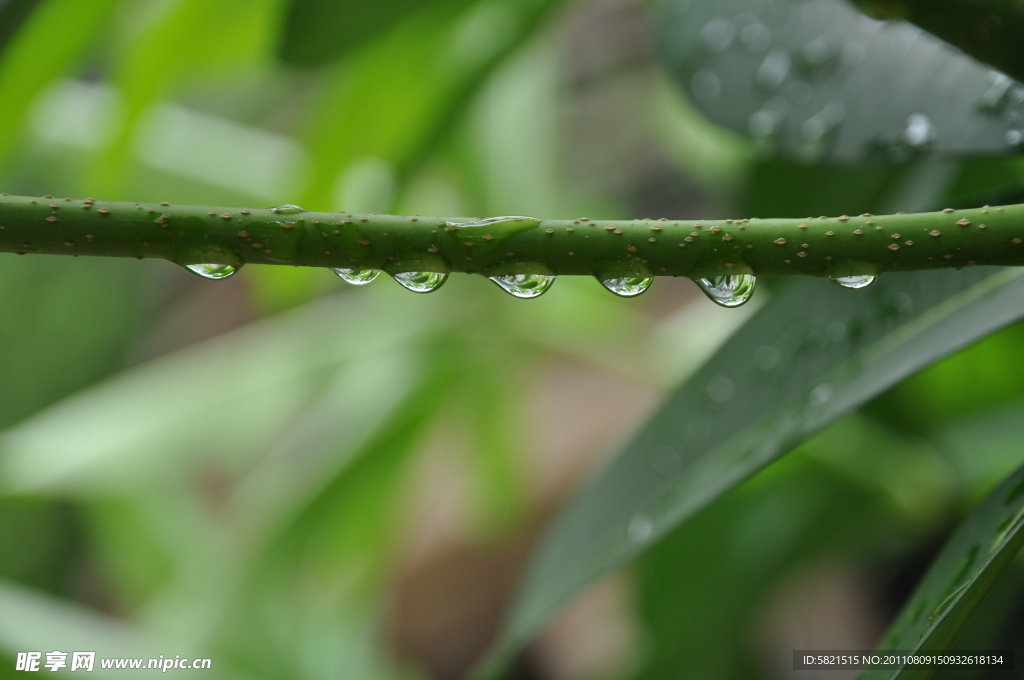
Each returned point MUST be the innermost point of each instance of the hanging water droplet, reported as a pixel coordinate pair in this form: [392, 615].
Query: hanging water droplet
[856, 281]
[357, 277]
[287, 209]
[728, 291]
[213, 271]
[421, 282]
[756, 37]
[774, 69]
[718, 34]
[524, 286]
[640, 528]
[630, 287]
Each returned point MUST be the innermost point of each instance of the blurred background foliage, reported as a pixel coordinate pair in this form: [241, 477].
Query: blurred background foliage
[303, 481]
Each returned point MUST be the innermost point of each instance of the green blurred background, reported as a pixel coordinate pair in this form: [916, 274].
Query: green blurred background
[300, 479]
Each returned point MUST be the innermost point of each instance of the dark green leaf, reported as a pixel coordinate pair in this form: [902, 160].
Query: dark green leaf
[12, 13]
[959, 579]
[988, 30]
[810, 355]
[819, 80]
[319, 31]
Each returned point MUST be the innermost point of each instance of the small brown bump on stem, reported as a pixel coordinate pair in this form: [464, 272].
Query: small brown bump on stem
[780, 241]
[165, 203]
[908, 243]
[894, 247]
[549, 231]
[896, 236]
[617, 231]
[104, 211]
[716, 230]
[244, 211]
[982, 226]
[364, 242]
[964, 222]
[803, 226]
[948, 257]
[654, 240]
[631, 249]
[935, 233]
[213, 213]
[830, 233]
[843, 218]
[226, 216]
[51, 219]
[945, 210]
[727, 237]
[858, 232]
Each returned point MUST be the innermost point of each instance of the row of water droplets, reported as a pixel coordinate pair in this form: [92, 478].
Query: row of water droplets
[726, 291]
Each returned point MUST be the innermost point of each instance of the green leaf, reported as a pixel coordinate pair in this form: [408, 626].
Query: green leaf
[12, 14]
[959, 579]
[319, 31]
[821, 81]
[67, 28]
[404, 91]
[812, 354]
[984, 29]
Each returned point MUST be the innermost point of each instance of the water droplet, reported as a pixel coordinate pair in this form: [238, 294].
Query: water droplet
[820, 394]
[728, 291]
[705, 84]
[287, 209]
[756, 37]
[919, 131]
[1014, 137]
[774, 69]
[357, 277]
[721, 389]
[213, 271]
[640, 528]
[903, 303]
[524, 286]
[766, 357]
[421, 282]
[629, 287]
[856, 281]
[718, 34]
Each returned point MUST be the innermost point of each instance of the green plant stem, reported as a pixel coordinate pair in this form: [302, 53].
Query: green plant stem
[829, 247]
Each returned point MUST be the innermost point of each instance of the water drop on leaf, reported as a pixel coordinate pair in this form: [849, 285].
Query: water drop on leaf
[728, 291]
[630, 287]
[640, 528]
[357, 277]
[524, 286]
[213, 271]
[858, 281]
[421, 282]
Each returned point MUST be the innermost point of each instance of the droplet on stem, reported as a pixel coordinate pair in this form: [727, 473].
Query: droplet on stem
[524, 286]
[421, 282]
[728, 291]
[627, 287]
[357, 277]
[213, 271]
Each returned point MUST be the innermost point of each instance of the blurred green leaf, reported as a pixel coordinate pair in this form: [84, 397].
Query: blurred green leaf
[66, 28]
[821, 81]
[956, 583]
[319, 31]
[702, 588]
[12, 14]
[64, 323]
[985, 29]
[811, 354]
[387, 106]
